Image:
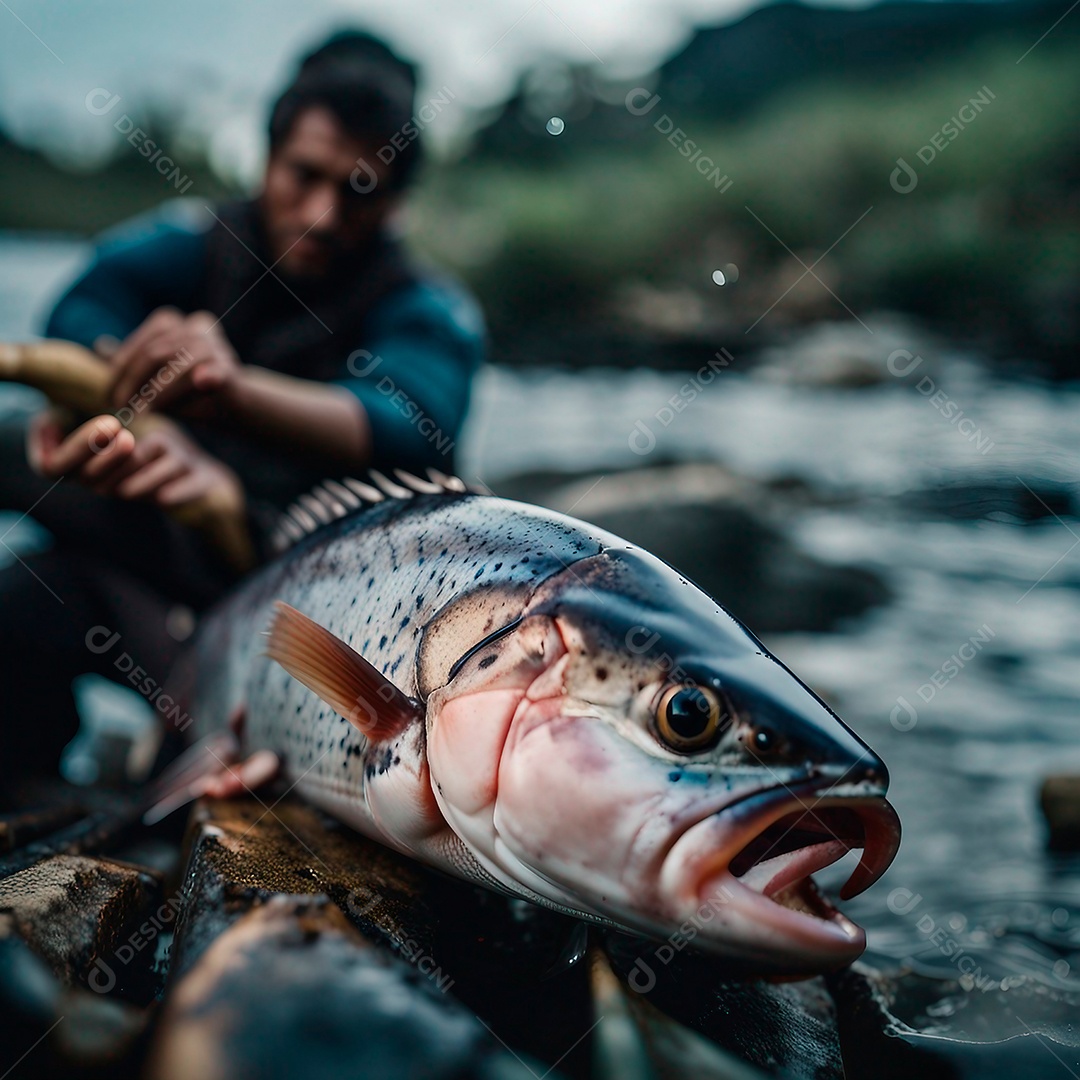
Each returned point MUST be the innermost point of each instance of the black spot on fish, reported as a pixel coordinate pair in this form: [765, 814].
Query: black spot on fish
[405, 622]
[489, 660]
[674, 776]
[497, 566]
[479, 573]
[371, 583]
[382, 641]
[601, 673]
[419, 602]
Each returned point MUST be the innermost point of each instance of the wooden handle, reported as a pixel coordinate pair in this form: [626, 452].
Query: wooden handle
[77, 379]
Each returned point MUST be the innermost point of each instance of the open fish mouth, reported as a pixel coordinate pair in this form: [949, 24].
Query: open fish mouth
[765, 883]
[779, 861]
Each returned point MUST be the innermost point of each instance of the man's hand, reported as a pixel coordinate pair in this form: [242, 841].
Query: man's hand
[165, 466]
[173, 357]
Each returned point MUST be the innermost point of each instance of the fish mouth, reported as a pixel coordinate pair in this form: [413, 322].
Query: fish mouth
[753, 864]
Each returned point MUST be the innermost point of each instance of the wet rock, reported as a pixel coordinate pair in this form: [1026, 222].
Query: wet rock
[843, 355]
[49, 1030]
[241, 855]
[1011, 501]
[292, 989]
[108, 820]
[21, 827]
[1060, 802]
[784, 1029]
[635, 1039]
[510, 962]
[717, 529]
[898, 1024]
[73, 910]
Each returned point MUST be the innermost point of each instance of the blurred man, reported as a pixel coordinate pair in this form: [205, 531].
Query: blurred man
[287, 338]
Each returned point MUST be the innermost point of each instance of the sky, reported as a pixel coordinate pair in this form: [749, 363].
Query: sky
[218, 63]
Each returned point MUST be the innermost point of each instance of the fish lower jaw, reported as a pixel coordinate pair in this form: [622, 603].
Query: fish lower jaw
[787, 914]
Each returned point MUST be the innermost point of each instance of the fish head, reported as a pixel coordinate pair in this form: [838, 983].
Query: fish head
[627, 750]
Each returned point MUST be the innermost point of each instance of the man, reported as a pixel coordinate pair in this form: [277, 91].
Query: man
[281, 340]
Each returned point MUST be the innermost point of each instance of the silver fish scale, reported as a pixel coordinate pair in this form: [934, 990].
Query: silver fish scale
[375, 579]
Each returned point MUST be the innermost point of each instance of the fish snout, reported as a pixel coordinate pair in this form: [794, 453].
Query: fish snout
[755, 859]
[866, 775]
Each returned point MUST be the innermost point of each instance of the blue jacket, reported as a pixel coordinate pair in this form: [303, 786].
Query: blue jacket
[410, 365]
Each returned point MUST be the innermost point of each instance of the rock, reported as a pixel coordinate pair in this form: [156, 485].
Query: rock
[1060, 802]
[55, 1031]
[635, 1039]
[715, 528]
[107, 820]
[21, 827]
[1015, 501]
[787, 1029]
[73, 910]
[843, 355]
[510, 962]
[943, 1032]
[292, 989]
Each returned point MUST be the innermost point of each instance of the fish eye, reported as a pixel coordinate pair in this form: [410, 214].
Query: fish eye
[688, 718]
[763, 740]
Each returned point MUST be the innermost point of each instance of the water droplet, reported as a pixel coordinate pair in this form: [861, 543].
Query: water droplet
[718, 277]
[727, 275]
[1059, 917]
[1061, 969]
[555, 126]
[957, 921]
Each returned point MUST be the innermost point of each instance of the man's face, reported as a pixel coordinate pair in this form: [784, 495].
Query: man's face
[312, 212]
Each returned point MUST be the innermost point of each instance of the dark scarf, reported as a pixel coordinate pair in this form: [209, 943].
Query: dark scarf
[310, 331]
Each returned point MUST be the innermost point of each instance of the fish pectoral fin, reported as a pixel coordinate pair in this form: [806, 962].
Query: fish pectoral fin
[335, 671]
[213, 767]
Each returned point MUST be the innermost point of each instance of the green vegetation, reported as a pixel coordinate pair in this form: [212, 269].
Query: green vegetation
[991, 231]
[989, 240]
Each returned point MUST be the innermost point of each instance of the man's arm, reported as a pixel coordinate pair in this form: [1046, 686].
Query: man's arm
[401, 402]
[414, 378]
[321, 419]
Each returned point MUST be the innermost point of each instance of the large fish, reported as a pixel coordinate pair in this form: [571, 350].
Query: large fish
[528, 702]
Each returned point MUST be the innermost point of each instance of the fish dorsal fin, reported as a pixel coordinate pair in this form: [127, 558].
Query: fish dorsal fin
[332, 500]
[339, 675]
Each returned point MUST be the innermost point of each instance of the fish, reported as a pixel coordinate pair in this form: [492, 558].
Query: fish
[530, 703]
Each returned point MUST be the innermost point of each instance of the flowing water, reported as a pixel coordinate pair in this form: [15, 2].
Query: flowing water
[967, 682]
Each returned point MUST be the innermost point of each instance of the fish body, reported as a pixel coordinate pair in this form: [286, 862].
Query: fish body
[528, 702]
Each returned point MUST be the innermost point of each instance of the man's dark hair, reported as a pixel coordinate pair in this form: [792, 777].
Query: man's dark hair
[369, 90]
